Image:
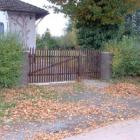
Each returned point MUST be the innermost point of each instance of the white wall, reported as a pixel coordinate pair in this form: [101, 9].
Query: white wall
[4, 19]
[23, 24]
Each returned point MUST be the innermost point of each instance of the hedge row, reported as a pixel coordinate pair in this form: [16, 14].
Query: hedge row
[11, 58]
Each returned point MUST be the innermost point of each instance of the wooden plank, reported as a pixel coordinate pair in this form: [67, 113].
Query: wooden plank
[58, 76]
[60, 65]
[65, 65]
[64, 51]
[29, 76]
[51, 62]
[37, 62]
[32, 65]
[47, 70]
[41, 74]
[52, 59]
[49, 80]
[35, 67]
[76, 70]
[72, 67]
[54, 68]
[43, 63]
[39, 77]
[99, 65]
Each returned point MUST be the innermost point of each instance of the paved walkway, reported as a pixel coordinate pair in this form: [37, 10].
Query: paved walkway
[129, 130]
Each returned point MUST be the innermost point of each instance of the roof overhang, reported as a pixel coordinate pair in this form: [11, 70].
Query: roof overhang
[20, 6]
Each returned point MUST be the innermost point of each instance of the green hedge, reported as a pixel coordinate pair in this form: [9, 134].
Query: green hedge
[11, 58]
[126, 61]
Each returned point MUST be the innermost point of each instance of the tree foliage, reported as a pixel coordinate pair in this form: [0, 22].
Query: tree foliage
[68, 40]
[101, 11]
[93, 37]
[97, 21]
[133, 24]
[46, 41]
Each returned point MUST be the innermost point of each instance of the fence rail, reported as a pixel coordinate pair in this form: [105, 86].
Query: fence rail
[63, 65]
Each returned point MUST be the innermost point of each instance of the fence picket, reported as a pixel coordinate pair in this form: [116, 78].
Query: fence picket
[63, 65]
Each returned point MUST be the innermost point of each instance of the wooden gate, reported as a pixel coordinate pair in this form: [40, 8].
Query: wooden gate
[63, 65]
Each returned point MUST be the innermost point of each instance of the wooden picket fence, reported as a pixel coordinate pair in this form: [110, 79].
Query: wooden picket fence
[47, 65]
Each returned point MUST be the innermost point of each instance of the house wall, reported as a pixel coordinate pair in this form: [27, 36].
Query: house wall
[23, 24]
[4, 20]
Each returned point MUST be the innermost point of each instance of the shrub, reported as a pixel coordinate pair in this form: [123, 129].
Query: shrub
[10, 60]
[126, 61]
[67, 41]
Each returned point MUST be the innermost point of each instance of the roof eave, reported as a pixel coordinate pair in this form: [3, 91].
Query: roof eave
[37, 15]
[42, 15]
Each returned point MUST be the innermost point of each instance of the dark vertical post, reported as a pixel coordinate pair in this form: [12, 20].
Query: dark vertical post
[24, 80]
[106, 65]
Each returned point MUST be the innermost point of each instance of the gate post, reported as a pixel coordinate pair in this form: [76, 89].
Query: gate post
[106, 65]
[25, 69]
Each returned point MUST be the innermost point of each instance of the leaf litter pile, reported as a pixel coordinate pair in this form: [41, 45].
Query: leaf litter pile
[50, 110]
[122, 89]
[44, 104]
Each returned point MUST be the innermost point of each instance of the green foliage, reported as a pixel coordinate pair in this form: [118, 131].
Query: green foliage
[103, 11]
[46, 41]
[39, 42]
[68, 40]
[94, 37]
[10, 60]
[126, 60]
[132, 25]
[98, 21]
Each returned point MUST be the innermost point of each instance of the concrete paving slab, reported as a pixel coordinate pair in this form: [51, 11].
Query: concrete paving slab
[128, 130]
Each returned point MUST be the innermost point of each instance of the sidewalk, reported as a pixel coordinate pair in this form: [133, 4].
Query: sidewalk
[129, 130]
